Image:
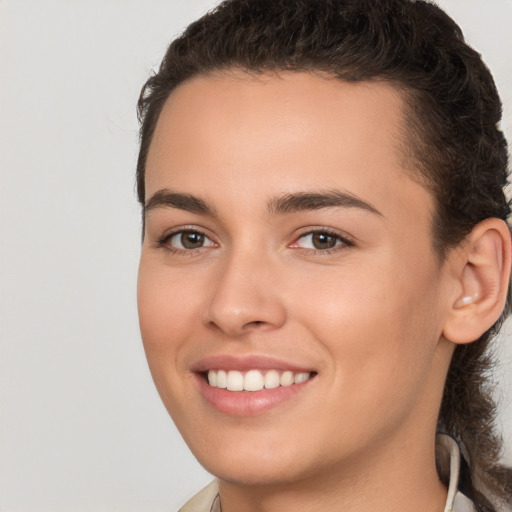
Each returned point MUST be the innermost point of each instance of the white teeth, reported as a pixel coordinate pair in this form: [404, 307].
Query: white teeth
[235, 381]
[254, 380]
[222, 379]
[301, 377]
[286, 379]
[272, 379]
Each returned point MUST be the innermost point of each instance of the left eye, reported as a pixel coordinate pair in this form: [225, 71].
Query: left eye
[187, 240]
[320, 240]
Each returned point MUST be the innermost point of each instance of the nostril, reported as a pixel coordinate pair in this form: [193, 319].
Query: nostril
[254, 323]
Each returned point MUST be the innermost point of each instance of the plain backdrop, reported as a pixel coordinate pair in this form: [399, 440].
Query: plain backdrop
[81, 426]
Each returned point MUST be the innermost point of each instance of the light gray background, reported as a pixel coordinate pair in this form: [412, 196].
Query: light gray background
[81, 427]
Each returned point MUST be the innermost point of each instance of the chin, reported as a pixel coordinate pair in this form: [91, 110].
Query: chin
[256, 458]
[254, 471]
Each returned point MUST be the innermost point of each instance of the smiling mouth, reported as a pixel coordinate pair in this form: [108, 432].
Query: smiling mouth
[255, 380]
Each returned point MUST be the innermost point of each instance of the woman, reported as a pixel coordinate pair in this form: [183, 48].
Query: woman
[326, 256]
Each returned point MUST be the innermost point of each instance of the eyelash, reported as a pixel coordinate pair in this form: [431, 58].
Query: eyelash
[343, 242]
[163, 242]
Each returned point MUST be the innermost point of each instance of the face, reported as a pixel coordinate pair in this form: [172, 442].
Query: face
[288, 256]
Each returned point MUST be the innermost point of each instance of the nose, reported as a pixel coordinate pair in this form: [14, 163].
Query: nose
[246, 296]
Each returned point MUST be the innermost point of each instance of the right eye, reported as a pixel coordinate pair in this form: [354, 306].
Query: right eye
[186, 240]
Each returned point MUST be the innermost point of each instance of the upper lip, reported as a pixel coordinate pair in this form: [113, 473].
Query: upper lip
[246, 363]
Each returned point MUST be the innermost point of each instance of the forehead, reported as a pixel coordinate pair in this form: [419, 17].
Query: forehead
[247, 136]
[246, 106]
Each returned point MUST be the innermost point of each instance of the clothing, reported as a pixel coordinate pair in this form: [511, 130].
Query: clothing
[208, 499]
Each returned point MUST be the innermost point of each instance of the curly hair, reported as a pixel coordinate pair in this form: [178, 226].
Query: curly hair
[454, 142]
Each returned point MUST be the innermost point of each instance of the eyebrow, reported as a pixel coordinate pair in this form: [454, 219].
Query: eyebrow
[302, 201]
[288, 203]
[187, 202]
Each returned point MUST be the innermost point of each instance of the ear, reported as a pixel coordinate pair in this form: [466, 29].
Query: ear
[481, 271]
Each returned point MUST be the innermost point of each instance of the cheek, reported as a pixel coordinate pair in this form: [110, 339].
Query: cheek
[165, 322]
[165, 307]
[379, 320]
[394, 290]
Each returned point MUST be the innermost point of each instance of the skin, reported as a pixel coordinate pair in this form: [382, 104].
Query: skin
[367, 316]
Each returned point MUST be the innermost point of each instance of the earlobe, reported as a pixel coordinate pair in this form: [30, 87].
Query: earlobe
[481, 269]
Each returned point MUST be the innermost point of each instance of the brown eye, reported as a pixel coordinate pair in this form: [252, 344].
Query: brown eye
[188, 240]
[324, 241]
[192, 239]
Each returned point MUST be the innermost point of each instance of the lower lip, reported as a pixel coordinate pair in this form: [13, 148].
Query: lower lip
[248, 403]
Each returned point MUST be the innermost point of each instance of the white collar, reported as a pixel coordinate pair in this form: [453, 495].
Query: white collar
[455, 501]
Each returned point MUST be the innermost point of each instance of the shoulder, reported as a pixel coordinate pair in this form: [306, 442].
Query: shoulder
[204, 501]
